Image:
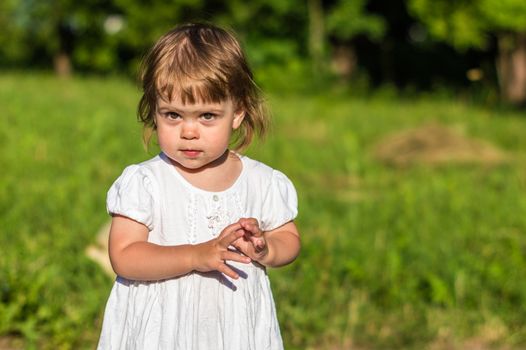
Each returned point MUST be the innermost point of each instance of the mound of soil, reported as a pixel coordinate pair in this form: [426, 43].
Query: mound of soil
[434, 144]
[98, 251]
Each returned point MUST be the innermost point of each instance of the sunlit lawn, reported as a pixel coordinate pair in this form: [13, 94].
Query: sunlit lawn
[392, 257]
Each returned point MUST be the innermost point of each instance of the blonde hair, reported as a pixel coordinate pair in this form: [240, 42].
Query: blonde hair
[201, 62]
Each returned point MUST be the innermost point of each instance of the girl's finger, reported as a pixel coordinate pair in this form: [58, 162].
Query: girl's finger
[230, 228]
[256, 232]
[259, 244]
[233, 256]
[249, 221]
[252, 227]
[230, 237]
[224, 269]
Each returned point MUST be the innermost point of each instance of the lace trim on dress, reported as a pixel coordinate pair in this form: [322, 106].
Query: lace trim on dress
[191, 211]
[223, 210]
[218, 217]
[236, 197]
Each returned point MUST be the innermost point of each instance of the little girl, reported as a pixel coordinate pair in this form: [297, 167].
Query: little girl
[194, 227]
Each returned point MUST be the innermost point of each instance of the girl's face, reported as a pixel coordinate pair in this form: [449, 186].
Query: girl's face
[196, 135]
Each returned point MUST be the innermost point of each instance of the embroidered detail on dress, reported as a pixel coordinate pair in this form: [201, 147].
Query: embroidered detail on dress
[213, 220]
[191, 215]
[236, 198]
[223, 210]
[218, 217]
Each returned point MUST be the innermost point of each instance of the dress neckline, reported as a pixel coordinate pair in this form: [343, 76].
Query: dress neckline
[194, 188]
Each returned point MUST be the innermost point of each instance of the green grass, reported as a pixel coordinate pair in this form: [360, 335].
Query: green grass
[392, 258]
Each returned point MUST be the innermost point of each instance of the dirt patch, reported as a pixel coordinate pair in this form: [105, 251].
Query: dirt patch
[98, 251]
[434, 144]
[11, 343]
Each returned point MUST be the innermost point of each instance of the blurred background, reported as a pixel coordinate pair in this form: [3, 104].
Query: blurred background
[400, 122]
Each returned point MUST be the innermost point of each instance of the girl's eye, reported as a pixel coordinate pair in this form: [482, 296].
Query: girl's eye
[208, 116]
[172, 115]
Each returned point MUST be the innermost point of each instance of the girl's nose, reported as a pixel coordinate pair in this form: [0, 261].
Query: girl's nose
[189, 130]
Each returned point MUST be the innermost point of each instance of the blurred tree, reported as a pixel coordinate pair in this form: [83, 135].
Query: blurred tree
[347, 20]
[273, 31]
[54, 29]
[316, 34]
[144, 21]
[10, 49]
[465, 24]
[108, 35]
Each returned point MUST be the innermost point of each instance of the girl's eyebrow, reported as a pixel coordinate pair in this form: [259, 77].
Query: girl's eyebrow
[200, 109]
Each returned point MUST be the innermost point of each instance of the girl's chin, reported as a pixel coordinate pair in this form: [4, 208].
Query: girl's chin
[187, 163]
[190, 165]
[194, 160]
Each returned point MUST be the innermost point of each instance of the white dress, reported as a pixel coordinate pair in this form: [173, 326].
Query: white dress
[198, 310]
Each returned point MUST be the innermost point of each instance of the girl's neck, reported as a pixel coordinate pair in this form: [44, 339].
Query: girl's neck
[216, 176]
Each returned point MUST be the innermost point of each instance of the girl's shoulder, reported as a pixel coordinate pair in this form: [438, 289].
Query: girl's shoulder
[143, 174]
[153, 164]
[277, 194]
[133, 194]
[263, 173]
[148, 168]
[255, 167]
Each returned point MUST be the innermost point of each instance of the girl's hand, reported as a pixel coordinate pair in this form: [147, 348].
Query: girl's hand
[212, 255]
[253, 243]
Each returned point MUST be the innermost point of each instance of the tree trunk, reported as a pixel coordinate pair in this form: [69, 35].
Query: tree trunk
[62, 58]
[62, 65]
[316, 34]
[343, 61]
[511, 67]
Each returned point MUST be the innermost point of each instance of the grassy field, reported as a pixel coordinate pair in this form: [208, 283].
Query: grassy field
[422, 256]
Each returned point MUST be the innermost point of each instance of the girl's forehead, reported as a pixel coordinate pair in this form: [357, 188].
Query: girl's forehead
[177, 103]
[187, 92]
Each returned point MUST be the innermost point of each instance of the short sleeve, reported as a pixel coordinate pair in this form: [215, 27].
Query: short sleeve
[280, 204]
[131, 196]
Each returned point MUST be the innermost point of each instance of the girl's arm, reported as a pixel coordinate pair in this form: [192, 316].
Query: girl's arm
[273, 248]
[283, 245]
[134, 258]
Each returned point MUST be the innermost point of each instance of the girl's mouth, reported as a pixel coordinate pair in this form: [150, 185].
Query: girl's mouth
[191, 153]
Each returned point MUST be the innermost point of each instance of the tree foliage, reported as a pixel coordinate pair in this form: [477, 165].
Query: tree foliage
[112, 35]
[100, 35]
[474, 24]
[466, 24]
[36, 31]
[348, 19]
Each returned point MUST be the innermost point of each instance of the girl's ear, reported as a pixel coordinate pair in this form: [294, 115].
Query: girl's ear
[239, 115]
